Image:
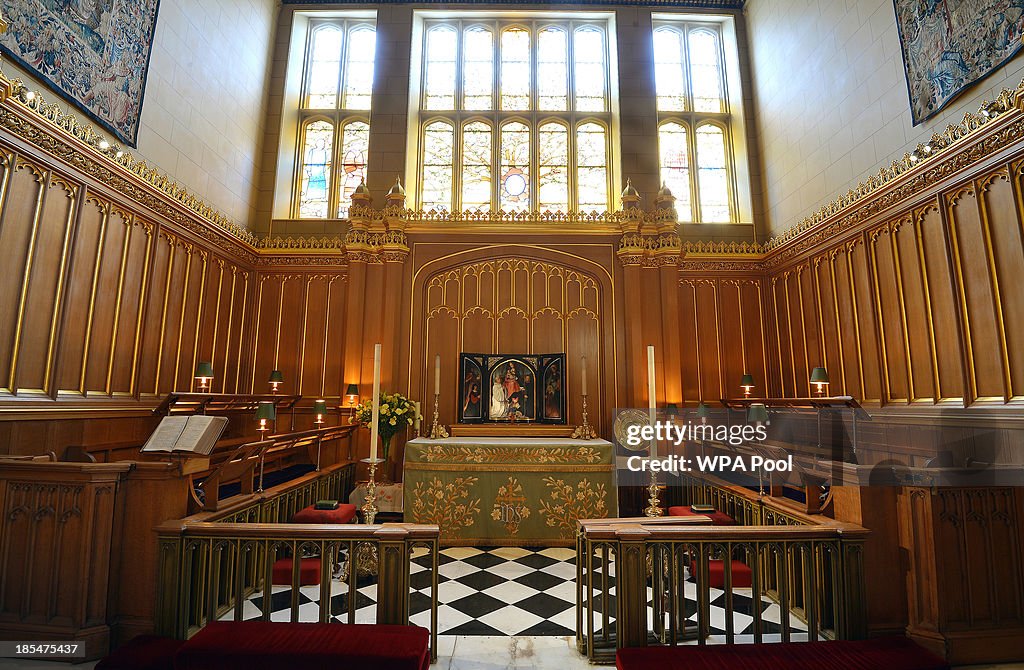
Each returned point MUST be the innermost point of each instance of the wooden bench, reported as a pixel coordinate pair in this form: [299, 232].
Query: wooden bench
[886, 652]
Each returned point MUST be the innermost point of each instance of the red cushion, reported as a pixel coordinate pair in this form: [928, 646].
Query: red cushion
[263, 645]
[717, 518]
[144, 652]
[309, 572]
[342, 514]
[886, 652]
[741, 575]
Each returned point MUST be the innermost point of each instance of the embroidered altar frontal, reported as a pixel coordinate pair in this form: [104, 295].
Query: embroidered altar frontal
[508, 491]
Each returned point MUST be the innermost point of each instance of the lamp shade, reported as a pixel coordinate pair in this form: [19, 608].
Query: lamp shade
[276, 377]
[320, 407]
[819, 376]
[747, 380]
[266, 410]
[352, 389]
[204, 369]
[703, 411]
[757, 413]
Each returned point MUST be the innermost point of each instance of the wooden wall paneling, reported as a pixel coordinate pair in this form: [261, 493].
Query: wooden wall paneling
[1006, 235]
[783, 335]
[176, 295]
[888, 304]
[24, 189]
[689, 336]
[161, 268]
[830, 328]
[133, 300]
[313, 353]
[917, 327]
[333, 382]
[810, 323]
[217, 300]
[943, 313]
[239, 345]
[710, 376]
[102, 318]
[673, 369]
[859, 268]
[733, 328]
[971, 258]
[192, 322]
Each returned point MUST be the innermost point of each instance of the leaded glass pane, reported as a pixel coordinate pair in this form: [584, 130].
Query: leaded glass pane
[515, 167]
[515, 69]
[705, 71]
[552, 69]
[669, 70]
[324, 68]
[441, 52]
[478, 69]
[553, 174]
[438, 143]
[362, 44]
[317, 148]
[589, 69]
[675, 165]
[476, 166]
[711, 175]
[355, 140]
[592, 168]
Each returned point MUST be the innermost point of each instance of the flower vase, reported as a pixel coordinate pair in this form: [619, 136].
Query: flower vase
[384, 468]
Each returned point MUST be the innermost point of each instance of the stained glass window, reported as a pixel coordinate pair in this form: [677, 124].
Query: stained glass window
[514, 114]
[438, 141]
[553, 177]
[675, 165]
[592, 167]
[711, 174]
[552, 69]
[478, 71]
[442, 47]
[590, 70]
[515, 167]
[476, 166]
[317, 150]
[694, 122]
[334, 130]
[515, 69]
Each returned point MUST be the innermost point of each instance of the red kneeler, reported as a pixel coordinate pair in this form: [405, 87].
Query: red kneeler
[309, 572]
[742, 575]
[341, 514]
[717, 518]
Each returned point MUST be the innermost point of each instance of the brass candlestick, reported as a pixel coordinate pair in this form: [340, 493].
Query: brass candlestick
[437, 431]
[584, 431]
[370, 504]
[653, 502]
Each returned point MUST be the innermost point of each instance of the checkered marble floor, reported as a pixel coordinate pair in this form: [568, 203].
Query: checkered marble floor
[509, 591]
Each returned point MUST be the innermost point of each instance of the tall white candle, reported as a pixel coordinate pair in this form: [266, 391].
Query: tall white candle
[376, 402]
[652, 400]
[437, 374]
[416, 424]
[583, 375]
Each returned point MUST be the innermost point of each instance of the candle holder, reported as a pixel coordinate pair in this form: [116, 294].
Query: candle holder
[653, 509]
[584, 431]
[370, 502]
[437, 431]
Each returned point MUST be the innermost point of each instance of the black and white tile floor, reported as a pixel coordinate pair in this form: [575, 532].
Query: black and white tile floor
[509, 591]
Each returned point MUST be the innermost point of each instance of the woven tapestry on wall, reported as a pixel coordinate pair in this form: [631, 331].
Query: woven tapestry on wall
[95, 53]
[950, 44]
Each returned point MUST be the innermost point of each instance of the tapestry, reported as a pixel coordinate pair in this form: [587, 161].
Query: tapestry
[95, 53]
[950, 44]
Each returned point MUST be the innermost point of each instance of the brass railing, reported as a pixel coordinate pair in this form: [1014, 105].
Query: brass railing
[813, 573]
[215, 571]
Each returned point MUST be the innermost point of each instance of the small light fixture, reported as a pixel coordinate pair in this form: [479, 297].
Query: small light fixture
[747, 384]
[320, 409]
[265, 413]
[703, 412]
[758, 414]
[276, 379]
[204, 375]
[819, 378]
[30, 96]
[352, 395]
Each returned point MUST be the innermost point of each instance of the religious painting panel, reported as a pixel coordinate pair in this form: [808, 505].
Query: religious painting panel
[512, 388]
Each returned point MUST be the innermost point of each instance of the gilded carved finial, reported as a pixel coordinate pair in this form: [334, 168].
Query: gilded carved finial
[629, 191]
[397, 189]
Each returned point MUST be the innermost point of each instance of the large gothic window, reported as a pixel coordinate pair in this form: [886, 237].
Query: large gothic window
[514, 115]
[334, 123]
[697, 161]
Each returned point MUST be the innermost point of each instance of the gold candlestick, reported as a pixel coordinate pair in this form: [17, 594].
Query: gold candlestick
[437, 431]
[584, 431]
[653, 502]
[370, 502]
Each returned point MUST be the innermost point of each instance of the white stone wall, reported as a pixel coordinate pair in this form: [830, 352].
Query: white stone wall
[832, 102]
[203, 113]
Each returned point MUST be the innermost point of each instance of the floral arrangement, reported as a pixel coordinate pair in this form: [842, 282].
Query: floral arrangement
[396, 414]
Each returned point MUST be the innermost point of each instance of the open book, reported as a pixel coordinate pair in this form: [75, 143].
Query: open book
[186, 434]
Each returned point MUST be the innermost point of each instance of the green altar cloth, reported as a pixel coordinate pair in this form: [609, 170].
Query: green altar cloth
[508, 491]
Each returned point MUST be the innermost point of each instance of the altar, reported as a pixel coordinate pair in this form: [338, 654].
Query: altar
[509, 491]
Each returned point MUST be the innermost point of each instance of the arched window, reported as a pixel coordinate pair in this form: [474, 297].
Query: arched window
[697, 165]
[526, 103]
[476, 166]
[438, 168]
[334, 131]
